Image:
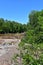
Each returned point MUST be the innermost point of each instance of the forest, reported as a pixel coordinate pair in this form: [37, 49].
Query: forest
[7, 26]
[31, 45]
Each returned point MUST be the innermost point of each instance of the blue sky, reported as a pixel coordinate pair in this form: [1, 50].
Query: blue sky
[18, 10]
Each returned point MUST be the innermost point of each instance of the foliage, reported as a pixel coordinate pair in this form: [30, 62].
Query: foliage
[11, 26]
[31, 45]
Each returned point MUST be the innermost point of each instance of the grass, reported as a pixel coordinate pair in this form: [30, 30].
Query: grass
[13, 35]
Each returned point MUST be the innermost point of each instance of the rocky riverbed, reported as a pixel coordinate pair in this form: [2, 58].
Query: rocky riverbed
[8, 47]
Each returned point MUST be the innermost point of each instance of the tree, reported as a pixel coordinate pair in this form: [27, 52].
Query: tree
[32, 44]
[11, 26]
[1, 24]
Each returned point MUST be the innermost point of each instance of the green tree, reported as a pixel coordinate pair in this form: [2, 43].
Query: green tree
[32, 44]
